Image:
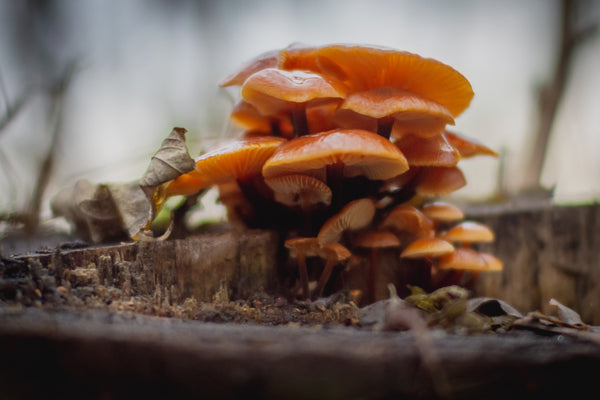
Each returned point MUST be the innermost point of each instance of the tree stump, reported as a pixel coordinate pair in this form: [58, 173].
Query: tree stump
[552, 252]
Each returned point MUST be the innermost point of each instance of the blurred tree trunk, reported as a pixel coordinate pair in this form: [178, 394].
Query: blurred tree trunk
[571, 36]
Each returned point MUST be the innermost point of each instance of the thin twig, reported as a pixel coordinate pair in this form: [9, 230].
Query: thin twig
[46, 167]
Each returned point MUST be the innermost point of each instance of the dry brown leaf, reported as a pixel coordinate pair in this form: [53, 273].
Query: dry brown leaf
[170, 161]
[103, 212]
[63, 204]
[132, 205]
[492, 307]
[566, 314]
[101, 216]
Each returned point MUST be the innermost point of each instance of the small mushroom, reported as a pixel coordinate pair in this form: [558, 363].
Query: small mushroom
[238, 159]
[374, 241]
[440, 211]
[246, 116]
[429, 250]
[299, 191]
[468, 232]
[333, 253]
[430, 247]
[408, 223]
[434, 151]
[275, 92]
[463, 259]
[333, 155]
[357, 152]
[439, 181]
[353, 216]
[241, 161]
[493, 263]
[391, 106]
[300, 248]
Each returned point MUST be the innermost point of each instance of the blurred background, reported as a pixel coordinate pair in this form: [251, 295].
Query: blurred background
[89, 88]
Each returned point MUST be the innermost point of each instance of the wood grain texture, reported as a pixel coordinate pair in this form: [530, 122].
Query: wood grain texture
[553, 252]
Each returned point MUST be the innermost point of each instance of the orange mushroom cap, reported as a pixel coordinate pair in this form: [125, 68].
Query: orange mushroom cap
[427, 247]
[376, 239]
[267, 59]
[408, 219]
[239, 159]
[360, 152]
[304, 246]
[468, 232]
[353, 216]
[335, 252]
[245, 115]
[468, 147]
[363, 68]
[273, 91]
[412, 113]
[432, 151]
[442, 211]
[439, 181]
[299, 191]
[463, 259]
[493, 263]
[184, 185]
[298, 56]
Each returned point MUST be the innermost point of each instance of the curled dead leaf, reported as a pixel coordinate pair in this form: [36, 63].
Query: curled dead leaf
[103, 212]
[171, 160]
[566, 314]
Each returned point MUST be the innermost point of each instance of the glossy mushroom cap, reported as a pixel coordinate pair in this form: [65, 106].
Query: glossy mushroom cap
[363, 68]
[359, 152]
[353, 216]
[335, 253]
[439, 181]
[468, 232]
[246, 116]
[432, 151]
[406, 219]
[301, 191]
[411, 112]
[493, 263]
[463, 259]
[238, 159]
[430, 247]
[442, 211]
[273, 91]
[184, 185]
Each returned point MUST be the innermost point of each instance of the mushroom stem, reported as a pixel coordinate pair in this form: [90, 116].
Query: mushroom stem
[324, 278]
[303, 272]
[335, 176]
[406, 193]
[384, 127]
[299, 122]
[275, 128]
[372, 279]
[472, 279]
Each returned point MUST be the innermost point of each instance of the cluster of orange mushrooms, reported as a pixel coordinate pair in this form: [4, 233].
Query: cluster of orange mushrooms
[345, 151]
